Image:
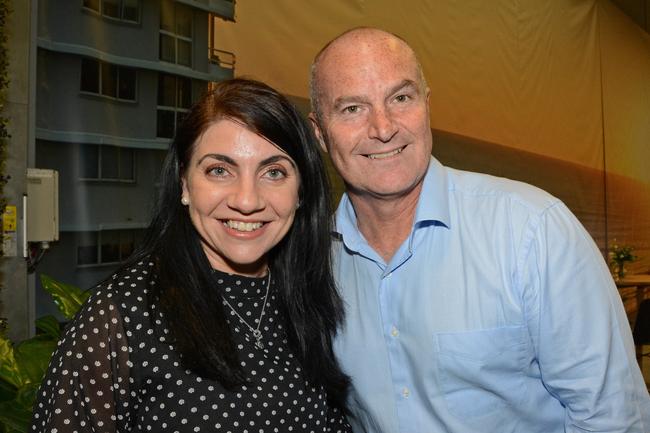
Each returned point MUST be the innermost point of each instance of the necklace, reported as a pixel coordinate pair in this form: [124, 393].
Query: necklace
[257, 334]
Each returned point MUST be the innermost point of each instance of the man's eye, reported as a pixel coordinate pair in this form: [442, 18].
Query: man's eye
[402, 98]
[351, 109]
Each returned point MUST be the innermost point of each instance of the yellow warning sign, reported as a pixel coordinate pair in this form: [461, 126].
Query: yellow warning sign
[9, 219]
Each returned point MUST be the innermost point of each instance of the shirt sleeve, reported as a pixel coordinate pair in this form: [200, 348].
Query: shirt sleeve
[580, 330]
[86, 387]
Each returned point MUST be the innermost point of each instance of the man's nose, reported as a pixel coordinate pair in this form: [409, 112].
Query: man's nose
[382, 125]
[246, 197]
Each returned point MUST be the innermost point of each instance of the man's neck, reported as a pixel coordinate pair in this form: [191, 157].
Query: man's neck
[385, 222]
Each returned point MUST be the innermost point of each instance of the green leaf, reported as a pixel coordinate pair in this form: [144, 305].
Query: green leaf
[15, 416]
[27, 395]
[9, 370]
[67, 297]
[49, 325]
[7, 391]
[33, 356]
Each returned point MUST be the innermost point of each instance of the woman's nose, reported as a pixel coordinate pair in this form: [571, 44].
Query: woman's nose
[246, 197]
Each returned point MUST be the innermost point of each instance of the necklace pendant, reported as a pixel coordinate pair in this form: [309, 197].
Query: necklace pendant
[258, 338]
[257, 334]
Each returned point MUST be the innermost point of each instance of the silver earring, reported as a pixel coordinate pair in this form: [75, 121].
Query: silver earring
[185, 201]
[298, 204]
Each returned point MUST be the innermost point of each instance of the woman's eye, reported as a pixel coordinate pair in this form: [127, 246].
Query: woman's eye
[275, 173]
[218, 171]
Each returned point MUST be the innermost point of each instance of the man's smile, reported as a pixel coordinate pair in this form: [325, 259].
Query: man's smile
[385, 154]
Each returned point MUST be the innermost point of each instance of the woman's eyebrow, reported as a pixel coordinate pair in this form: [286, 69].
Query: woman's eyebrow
[218, 157]
[229, 160]
[276, 158]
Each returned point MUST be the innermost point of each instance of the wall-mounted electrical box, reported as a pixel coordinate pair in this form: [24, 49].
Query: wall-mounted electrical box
[42, 205]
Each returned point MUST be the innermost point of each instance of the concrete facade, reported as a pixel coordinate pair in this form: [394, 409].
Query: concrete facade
[17, 298]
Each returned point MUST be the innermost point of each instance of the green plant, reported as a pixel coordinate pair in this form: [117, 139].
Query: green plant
[618, 256]
[23, 364]
[4, 85]
[4, 121]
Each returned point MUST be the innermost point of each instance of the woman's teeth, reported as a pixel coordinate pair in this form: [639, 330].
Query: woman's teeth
[242, 226]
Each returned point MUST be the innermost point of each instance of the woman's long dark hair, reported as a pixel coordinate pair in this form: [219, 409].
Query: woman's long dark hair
[301, 265]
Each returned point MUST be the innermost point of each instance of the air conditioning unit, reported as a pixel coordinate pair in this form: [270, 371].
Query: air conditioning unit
[42, 203]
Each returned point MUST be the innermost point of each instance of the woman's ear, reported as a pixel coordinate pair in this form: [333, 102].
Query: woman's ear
[185, 200]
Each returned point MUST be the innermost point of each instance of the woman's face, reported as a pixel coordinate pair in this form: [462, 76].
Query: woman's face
[242, 194]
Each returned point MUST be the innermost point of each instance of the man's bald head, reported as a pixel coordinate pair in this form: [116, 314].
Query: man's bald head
[345, 45]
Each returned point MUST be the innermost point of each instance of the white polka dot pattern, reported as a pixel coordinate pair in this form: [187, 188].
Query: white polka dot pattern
[115, 370]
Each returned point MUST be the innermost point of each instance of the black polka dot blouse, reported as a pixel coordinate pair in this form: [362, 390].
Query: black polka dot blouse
[115, 370]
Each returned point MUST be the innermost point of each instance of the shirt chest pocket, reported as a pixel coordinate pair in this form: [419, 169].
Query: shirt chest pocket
[480, 372]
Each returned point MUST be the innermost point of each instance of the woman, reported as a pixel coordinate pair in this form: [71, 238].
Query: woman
[223, 320]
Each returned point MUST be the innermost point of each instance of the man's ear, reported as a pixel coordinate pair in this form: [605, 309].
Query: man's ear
[317, 131]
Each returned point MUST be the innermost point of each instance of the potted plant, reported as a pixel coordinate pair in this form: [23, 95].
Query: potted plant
[619, 255]
[23, 364]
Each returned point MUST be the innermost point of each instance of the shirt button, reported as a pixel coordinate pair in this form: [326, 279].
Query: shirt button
[406, 392]
[394, 332]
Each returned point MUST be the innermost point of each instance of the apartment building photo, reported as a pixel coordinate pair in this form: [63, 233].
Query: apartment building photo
[113, 80]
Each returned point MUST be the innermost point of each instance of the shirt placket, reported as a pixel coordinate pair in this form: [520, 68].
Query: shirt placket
[393, 335]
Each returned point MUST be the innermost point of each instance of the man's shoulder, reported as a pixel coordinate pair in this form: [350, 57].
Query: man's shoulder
[498, 190]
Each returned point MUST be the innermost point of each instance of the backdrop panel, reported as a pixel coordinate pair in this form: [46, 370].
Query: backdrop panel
[554, 93]
[626, 102]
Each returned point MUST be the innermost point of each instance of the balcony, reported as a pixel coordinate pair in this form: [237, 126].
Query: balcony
[224, 9]
[221, 63]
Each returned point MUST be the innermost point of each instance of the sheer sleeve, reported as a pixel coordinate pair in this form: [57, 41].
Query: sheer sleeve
[337, 421]
[86, 387]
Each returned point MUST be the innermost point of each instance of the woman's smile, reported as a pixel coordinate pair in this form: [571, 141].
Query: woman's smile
[242, 195]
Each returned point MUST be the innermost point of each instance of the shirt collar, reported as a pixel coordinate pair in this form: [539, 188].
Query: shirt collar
[433, 209]
[433, 205]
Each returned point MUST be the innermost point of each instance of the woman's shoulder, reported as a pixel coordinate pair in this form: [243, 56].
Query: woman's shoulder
[138, 275]
[127, 289]
[118, 309]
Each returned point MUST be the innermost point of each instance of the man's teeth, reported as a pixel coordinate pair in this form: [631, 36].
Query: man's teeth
[385, 155]
[242, 226]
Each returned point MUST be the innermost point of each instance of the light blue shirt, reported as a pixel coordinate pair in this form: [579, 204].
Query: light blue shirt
[496, 314]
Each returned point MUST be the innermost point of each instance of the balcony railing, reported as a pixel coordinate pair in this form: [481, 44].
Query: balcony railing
[224, 59]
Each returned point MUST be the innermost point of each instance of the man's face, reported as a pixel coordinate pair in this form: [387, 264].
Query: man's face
[374, 115]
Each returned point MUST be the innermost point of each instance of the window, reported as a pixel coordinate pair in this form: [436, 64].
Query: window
[174, 101]
[124, 10]
[106, 246]
[109, 80]
[175, 44]
[100, 162]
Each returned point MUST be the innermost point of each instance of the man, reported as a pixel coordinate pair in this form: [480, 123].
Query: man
[474, 303]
